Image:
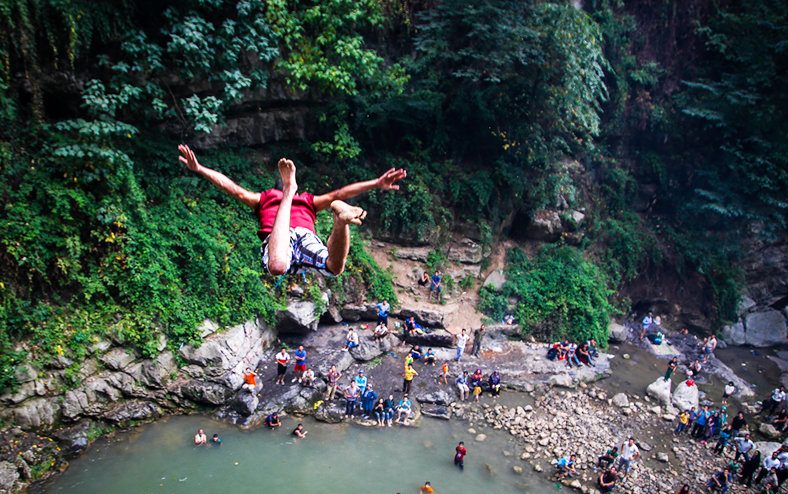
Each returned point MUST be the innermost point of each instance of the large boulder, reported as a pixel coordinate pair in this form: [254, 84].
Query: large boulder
[425, 317]
[332, 412]
[432, 339]
[765, 328]
[685, 397]
[545, 226]
[370, 348]
[660, 389]
[210, 393]
[733, 334]
[617, 333]
[117, 359]
[245, 403]
[300, 317]
[439, 397]
[354, 313]
[766, 448]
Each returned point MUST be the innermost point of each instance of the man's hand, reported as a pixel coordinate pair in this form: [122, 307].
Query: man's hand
[187, 158]
[388, 179]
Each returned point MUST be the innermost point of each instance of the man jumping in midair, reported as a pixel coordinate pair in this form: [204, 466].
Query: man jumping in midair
[287, 219]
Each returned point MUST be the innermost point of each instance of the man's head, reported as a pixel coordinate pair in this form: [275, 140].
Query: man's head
[300, 348]
[613, 470]
[462, 443]
[463, 331]
[631, 441]
[361, 372]
[741, 415]
[248, 370]
[746, 437]
[284, 349]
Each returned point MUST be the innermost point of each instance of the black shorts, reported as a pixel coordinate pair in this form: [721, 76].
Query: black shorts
[280, 369]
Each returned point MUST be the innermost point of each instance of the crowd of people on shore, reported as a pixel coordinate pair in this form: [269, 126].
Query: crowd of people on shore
[712, 426]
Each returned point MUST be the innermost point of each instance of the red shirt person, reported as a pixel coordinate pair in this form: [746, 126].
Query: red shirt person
[459, 455]
[287, 218]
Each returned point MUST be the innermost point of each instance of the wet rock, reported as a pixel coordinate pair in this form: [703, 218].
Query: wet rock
[8, 476]
[517, 469]
[538, 468]
[245, 403]
[663, 457]
[301, 316]
[436, 338]
[73, 440]
[620, 400]
[331, 412]
[437, 411]
[685, 397]
[481, 437]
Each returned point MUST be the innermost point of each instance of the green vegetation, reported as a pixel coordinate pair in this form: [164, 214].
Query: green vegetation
[558, 294]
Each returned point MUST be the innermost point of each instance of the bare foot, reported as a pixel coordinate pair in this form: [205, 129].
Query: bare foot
[287, 171]
[345, 213]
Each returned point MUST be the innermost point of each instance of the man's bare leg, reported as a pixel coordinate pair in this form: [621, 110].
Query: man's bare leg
[339, 240]
[279, 253]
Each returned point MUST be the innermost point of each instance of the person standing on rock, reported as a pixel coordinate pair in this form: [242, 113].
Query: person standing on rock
[629, 454]
[388, 406]
[351, 396]
[368, 401]
[478, 334]
[383, 309]
[333, 382]
[459, 455]
[672, 366]
[287, 218]
[738, 423]
[361, 381]
[300, 363]
[436, 286]
[708, 348]
[744, 446]
[408, 376]
[462, 340]
[728, 391]
[648, 320]
[282, 358]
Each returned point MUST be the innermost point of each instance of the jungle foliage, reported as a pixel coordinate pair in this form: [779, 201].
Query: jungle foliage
[102, 234]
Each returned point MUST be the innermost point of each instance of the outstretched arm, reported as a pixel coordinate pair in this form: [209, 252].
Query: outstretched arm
[384, 182]
[189, 160]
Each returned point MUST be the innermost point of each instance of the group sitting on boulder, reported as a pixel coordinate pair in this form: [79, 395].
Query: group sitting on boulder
[573, 354]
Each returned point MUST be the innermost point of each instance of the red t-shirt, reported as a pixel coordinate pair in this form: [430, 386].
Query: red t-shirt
[460, 452]
[302, 213]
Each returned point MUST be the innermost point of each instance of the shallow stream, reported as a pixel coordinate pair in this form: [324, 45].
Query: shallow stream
[160, 458]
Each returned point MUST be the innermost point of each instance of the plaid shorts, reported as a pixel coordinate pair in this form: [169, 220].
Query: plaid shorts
[306, 251]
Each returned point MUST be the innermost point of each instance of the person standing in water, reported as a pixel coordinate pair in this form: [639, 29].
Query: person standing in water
[459, 455]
